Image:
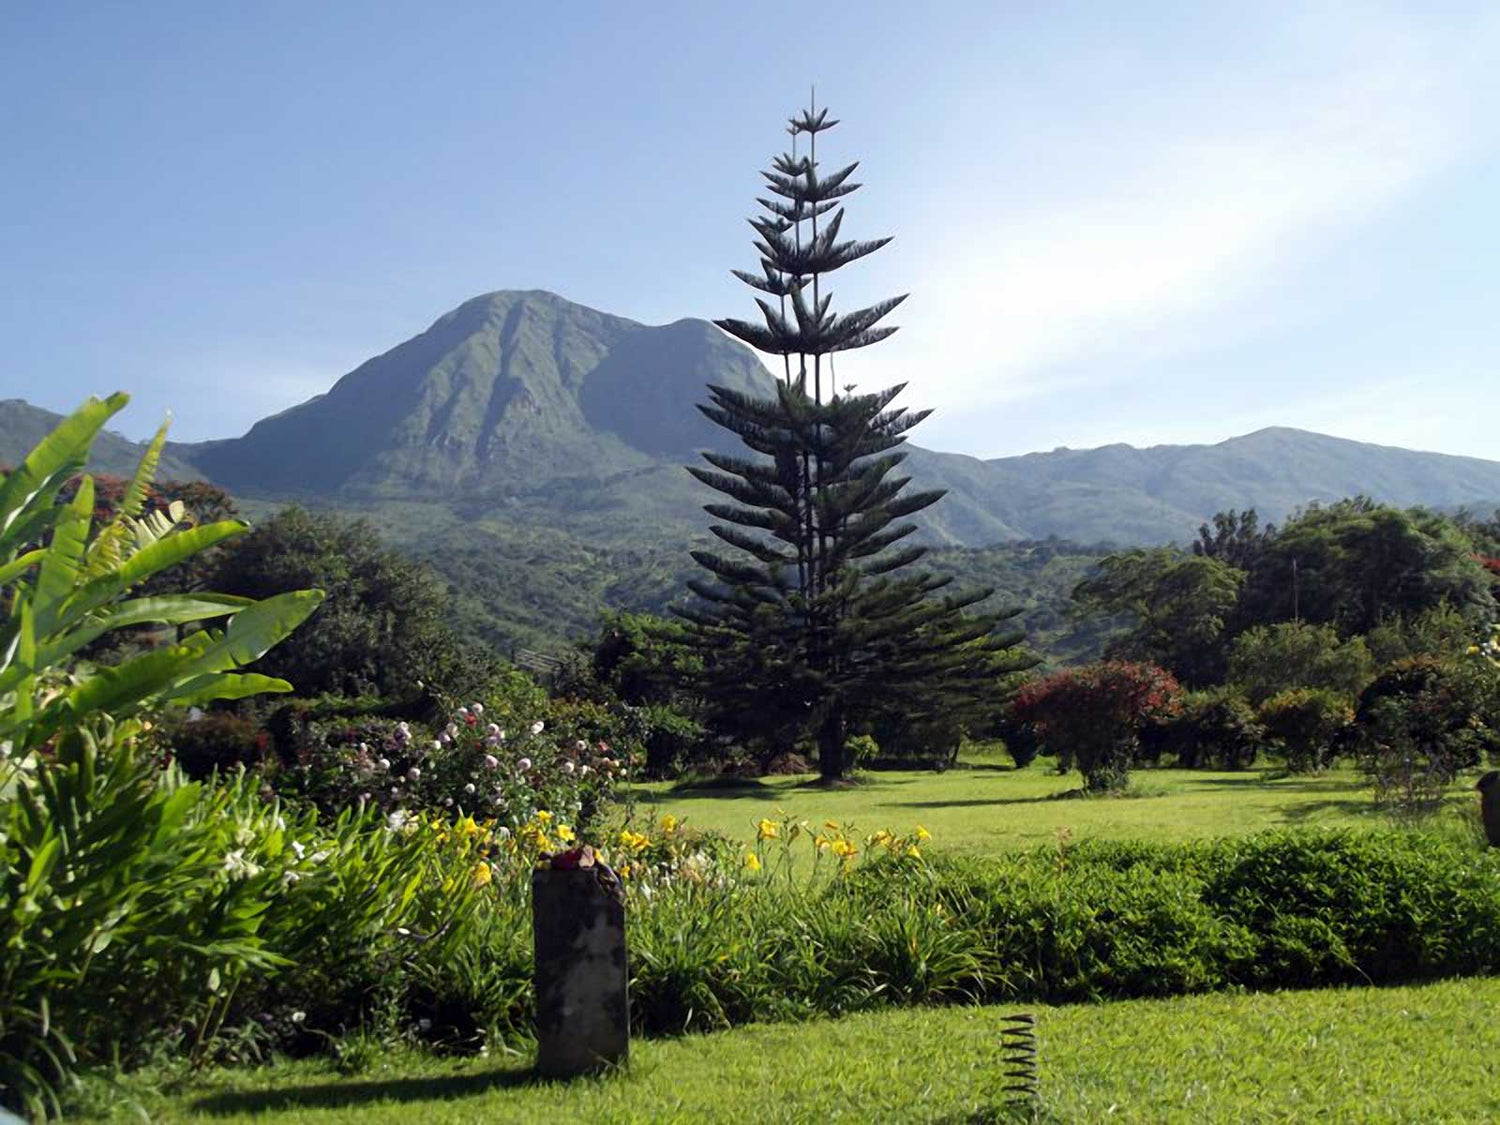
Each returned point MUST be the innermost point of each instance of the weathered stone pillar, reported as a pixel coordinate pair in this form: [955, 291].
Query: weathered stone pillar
[582, 1009]
[1489, 806]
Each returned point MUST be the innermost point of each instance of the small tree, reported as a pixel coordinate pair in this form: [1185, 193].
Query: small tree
[816, 624]
[1270, 659]
[1093, 715]
[1420, 723]
[1309, 724]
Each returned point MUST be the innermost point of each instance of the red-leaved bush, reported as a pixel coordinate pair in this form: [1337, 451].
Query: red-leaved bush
[1092, 716]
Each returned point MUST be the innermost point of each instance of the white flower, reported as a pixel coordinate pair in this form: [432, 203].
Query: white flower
[298, 1017]
[238, 867]
[396, 821]
[576, 806]
[447, 802]
[469, 788]
[477, 708]
[414, 774]
[442, 740]
[290, 877]
[384, 764]
[403, 731]
[491, 762]
[524, 764]
[299, 848]
[503, 832]
[538, 726]
[364, 747]
[280, 823]
[584, 771]
[243, 836]
[493, 730]
[580, 746]
[463, 712]
[451, 730]
[497, 800]
[568, 767]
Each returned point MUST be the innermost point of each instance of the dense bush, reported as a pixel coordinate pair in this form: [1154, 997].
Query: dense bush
[1214, 728]
[206, 743]
[1421, 722]
[384, 626]
[1309, 726]
[1022, 740]
[1270, 659]
[1093, 715]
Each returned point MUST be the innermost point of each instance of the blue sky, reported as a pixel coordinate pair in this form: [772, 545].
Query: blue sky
[1145, 222]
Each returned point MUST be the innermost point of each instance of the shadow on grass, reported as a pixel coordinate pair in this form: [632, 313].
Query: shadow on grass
[347, 1095]
[972, 802]
[1315, 808]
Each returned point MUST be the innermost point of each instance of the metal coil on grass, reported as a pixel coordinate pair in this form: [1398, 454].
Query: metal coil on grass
[1019, 1057]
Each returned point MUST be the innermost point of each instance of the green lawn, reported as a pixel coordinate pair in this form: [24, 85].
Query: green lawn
[1422, 1054]
[984, 808]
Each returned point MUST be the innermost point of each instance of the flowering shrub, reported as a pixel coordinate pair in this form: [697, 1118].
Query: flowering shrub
[494, 762]
[1093, 715]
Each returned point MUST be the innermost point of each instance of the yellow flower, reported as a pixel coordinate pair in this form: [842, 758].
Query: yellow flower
[914, 851]
[844, 849]
[766, 830]
[923, 834]
[544, 817]
[565, 834]
[880, 838]
[482, 875]
[668, 823]
[820, 842]
[752, 861]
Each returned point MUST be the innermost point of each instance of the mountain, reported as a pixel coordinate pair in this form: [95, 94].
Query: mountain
[520, 408]
[23, 425]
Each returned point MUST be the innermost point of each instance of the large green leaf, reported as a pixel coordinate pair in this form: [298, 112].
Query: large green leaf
[58, 456]
[225, 685]
[257, 627]
[59, 572]
[164, 609]
[143, 564]
[135, 496]
[17, 567]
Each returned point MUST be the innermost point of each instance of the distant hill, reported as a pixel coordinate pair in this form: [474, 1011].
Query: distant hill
[530, 407]
[533, 449]
[519, 408]
[23, 425]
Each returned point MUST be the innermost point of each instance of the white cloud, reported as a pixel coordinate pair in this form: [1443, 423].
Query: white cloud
[1187, 219]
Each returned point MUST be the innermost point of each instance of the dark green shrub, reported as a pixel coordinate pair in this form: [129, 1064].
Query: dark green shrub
[1022, 741]
[1308, 724]
[215, 742]
[1420, 723]
[1215, 728]
[1270, 659]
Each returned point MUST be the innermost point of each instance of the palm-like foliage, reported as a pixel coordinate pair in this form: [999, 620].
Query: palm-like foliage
[65, 584]
[814, 608]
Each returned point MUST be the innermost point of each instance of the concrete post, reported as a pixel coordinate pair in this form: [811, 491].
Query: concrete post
[582, 1010]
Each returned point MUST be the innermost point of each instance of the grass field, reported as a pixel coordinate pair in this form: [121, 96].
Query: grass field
[986, 807]
[1421, 1054]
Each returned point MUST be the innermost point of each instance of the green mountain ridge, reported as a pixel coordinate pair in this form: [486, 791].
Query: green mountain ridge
[526, 408]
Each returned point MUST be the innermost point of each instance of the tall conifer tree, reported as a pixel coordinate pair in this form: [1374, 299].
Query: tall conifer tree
[817, 621]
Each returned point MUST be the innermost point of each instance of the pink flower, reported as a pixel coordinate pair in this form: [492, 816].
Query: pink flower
[524, 764]
[491, 762]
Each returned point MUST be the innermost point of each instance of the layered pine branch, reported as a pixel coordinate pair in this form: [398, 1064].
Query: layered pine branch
[816, 624]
